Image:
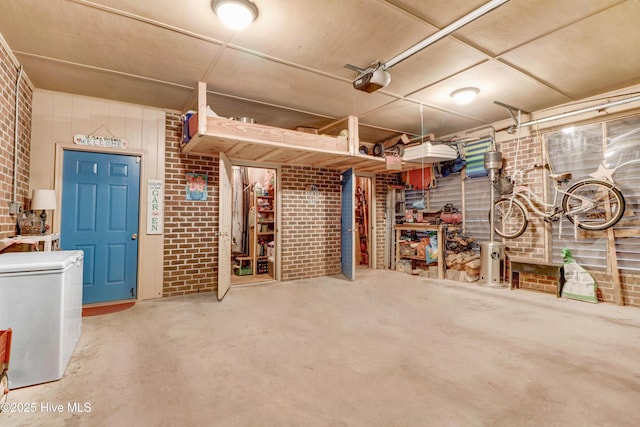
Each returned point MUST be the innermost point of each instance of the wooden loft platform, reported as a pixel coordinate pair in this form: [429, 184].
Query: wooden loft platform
[248, 142]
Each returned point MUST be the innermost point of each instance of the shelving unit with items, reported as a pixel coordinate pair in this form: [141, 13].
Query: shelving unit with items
[263, 234]
[408, 235]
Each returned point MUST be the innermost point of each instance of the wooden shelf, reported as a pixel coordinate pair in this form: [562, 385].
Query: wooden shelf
[260, 143]
[421, 227]
[414, 257]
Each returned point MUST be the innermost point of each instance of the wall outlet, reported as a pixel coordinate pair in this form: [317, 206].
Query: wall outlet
[14, 208]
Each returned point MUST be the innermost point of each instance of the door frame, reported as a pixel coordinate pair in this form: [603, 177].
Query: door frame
[57, 179]
[278, 219]
[373, 238]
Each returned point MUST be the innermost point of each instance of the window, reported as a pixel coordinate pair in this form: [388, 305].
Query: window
[581, 152]
[477, 201]
[622, 152]
[477, 194]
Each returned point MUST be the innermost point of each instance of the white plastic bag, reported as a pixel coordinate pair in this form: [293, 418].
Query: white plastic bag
[578, 282]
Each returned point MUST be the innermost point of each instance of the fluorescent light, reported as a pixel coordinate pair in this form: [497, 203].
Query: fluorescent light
[466, 95]
[235, 14]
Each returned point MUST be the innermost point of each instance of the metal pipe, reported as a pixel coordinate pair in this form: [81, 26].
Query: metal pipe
[583, 110]
[15, 138]
[456, 25]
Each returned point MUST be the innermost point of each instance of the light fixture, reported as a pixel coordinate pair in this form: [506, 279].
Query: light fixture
[466, 95]
[43, 200]
[235, 14]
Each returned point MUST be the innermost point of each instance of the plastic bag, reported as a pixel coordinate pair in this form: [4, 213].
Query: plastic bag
[578, 283]
[432, 249]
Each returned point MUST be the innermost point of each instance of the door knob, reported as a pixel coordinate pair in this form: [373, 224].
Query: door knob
[134, 236]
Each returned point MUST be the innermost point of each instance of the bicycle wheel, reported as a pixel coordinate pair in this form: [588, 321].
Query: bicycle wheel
[509, 218]
[593, 204]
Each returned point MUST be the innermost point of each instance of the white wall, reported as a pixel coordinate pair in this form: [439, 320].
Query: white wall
[58, 116]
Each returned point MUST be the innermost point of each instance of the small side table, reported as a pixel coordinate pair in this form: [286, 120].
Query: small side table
[50, 242]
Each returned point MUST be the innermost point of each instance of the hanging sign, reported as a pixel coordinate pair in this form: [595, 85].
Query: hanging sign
[393, 163]
[155, 204]
[312, 194]
[100, 141]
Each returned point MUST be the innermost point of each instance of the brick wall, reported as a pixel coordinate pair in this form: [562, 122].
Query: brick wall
[310, 233]
[191, 227]
[538, 282]
[8, 79]
[534, 243]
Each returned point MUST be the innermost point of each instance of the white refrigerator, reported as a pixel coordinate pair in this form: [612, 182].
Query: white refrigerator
[41, 300]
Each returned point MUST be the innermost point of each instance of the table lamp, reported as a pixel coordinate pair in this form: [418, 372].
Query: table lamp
[43, 200]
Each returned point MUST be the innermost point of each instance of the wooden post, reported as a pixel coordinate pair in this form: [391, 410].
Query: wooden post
[202, 108]
[354, 138]
[613, 263]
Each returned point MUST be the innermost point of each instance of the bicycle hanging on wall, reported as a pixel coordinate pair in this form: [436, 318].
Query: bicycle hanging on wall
[593, 203]
[590, 204]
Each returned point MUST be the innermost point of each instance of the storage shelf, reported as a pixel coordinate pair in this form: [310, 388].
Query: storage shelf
[414, 257]
[420, 227]
[251, 142]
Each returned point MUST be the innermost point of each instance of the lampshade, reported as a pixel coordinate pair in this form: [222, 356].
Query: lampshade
[235, 14]
[43, 200]
[466, 95]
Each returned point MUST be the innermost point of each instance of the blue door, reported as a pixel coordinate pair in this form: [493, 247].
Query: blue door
[100, 203]
[348, 263]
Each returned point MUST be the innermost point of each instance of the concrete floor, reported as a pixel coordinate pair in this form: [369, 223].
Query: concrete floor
[386, 350]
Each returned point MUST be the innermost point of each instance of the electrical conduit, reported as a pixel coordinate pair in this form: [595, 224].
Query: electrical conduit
[16, 139]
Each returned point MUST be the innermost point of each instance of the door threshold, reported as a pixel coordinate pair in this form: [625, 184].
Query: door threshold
[97, 310]
[107, 303]
[266, 282]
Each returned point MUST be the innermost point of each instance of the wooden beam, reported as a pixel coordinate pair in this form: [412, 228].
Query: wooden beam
[603, 234]
[613, 263]
[268, 155]
[327, 162]
[235, 149]
[300, 158]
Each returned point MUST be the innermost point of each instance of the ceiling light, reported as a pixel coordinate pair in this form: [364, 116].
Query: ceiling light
[235, 14]
[466, 95]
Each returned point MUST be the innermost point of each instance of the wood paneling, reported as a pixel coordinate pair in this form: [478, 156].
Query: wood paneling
[58, 116]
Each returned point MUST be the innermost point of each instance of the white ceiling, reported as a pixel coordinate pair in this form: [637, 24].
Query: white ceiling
[287, 69]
